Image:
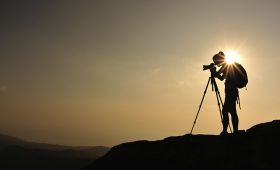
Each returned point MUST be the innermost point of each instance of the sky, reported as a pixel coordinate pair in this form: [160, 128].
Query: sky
[107, 72]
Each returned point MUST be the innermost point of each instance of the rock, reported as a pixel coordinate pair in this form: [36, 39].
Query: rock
[257, 148]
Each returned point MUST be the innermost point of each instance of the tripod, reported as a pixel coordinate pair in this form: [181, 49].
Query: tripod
[218, 96]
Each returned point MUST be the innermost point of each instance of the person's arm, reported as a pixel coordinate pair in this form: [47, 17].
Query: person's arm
[219, 74]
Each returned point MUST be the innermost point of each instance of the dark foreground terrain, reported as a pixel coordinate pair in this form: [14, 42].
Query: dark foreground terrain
[17, 154]
[257, 148]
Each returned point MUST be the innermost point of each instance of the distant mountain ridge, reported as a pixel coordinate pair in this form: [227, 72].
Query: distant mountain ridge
[258, 148]
[16, 153]
[6, 140]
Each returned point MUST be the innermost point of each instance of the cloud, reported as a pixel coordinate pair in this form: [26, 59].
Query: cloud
[180, 83]
[3, 88]
[155, 70]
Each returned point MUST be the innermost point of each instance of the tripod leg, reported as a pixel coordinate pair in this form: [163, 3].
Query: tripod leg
[200, 104]
[219, 105]
[220, 98]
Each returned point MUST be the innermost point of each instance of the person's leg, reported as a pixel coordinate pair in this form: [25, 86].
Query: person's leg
[225, 120]
[232, 109]
[235, 120]
[225, 112]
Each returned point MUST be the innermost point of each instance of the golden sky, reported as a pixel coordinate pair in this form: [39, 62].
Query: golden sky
[106, 72]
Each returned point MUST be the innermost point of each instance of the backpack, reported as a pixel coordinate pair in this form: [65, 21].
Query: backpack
[239, 75]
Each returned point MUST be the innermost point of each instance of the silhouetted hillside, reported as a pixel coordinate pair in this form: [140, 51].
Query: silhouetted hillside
[257, 148]
[19, 154]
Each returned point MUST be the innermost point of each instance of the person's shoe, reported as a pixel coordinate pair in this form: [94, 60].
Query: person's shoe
[235, 131]
[223, 133]
[238, 132]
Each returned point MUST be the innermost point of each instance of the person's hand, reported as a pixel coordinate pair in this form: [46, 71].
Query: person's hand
[213, 71]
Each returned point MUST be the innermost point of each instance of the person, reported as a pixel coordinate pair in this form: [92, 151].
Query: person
[231, 92]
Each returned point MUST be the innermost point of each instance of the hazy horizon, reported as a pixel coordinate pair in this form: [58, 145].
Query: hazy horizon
[107, 72]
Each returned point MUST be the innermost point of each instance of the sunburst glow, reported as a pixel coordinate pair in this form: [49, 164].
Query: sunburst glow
[232, 56]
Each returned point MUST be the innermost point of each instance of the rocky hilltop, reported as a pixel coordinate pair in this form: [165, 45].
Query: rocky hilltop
[257, 148]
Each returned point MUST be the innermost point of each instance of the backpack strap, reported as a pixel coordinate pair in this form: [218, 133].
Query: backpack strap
[238, 100]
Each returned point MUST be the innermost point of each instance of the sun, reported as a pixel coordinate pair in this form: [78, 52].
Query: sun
[232, 56]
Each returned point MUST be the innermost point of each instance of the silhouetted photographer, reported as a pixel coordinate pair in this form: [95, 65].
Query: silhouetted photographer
[235, 77]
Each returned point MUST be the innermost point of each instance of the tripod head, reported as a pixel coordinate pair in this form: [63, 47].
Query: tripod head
[211, 67]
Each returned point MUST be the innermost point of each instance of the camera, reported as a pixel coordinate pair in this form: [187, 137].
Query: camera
[209, 67]
[212, 69]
